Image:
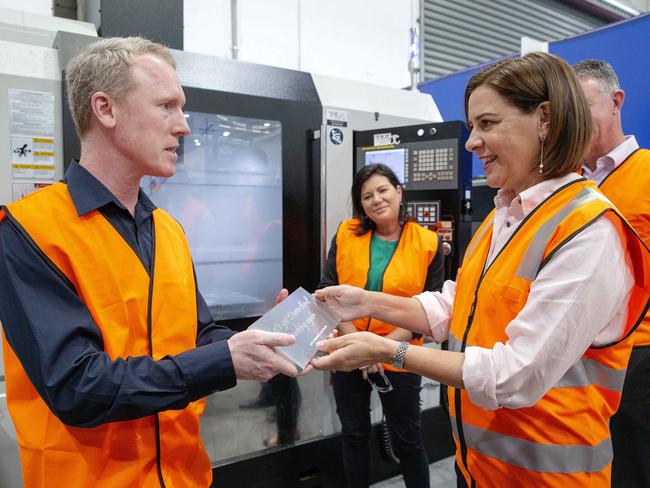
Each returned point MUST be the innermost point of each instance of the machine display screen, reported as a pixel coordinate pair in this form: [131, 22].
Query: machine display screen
[227, 195]
[393, 158]
[421, 165]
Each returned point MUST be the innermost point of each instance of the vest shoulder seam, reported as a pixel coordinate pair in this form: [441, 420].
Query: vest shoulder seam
[50, 264]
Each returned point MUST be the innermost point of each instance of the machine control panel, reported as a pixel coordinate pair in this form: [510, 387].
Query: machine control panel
[425, 213]
[419, 165]
[445, 229]
[433, 167]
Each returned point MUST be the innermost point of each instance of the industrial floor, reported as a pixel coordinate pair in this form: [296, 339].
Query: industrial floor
[441, 473]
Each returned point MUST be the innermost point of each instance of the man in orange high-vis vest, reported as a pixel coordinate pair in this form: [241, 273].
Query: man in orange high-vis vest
[622, 171]
[109, 347]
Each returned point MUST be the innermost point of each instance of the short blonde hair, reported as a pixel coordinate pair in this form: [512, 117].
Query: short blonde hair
[105, 66]
[540, 77]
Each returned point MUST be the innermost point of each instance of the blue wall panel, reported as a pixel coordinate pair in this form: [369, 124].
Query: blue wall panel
[626, 45]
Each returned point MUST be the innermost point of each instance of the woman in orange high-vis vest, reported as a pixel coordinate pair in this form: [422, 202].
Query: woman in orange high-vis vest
[382, 249]
[539, 318]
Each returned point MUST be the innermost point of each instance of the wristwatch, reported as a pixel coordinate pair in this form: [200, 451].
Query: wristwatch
[397, 361]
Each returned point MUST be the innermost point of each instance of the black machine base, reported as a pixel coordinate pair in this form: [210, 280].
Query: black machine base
[319, 464]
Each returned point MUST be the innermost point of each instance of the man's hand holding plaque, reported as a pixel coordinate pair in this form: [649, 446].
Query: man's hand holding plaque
[305, 318]
[254, 357]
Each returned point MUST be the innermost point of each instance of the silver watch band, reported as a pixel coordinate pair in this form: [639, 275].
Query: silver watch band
[397, 361]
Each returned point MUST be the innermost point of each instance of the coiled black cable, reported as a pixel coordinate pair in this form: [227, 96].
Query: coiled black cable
[386, 444]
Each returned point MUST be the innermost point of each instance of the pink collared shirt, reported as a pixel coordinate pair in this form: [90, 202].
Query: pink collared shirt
[577, 300]
[607, 163]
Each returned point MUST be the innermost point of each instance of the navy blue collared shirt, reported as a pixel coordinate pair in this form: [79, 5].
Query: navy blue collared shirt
[61, 348]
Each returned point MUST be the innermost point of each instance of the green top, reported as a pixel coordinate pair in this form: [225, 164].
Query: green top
[380, 253]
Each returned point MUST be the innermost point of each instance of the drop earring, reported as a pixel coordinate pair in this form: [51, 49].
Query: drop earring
[541, 158]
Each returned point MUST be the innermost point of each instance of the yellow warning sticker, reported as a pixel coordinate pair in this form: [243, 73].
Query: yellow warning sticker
[32, 157]
[32, 166]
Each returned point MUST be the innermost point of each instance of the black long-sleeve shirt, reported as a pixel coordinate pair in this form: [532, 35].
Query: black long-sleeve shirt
[60, 347]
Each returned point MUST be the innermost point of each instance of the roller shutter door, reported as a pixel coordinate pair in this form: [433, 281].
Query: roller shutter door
[464, 33]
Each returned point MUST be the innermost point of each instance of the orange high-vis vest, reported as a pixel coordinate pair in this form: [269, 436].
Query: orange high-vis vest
[563, 440]
[628, 187]
[136, 317]
[405, 274]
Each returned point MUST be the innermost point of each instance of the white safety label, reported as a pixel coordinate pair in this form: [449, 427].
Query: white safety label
[23, 188]
[32, 157]
[31, 112]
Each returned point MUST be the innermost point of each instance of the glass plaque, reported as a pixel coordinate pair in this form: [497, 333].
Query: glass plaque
[304, 317]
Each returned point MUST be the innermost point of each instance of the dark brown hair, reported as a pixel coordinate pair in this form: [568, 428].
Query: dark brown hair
[363, 175]
[536, 78]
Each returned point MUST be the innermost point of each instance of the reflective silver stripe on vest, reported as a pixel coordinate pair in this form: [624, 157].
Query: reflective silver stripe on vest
[543, 458]
[478, 237]
[454, 344]
[454, 426]
[584, 372]
[529, 266]
[590, 372]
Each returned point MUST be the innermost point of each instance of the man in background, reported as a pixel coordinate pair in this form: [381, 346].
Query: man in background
[622, 171]
[110, 347]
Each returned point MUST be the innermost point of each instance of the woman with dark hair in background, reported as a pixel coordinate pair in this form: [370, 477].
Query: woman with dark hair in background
[380, 249]
[551, 287]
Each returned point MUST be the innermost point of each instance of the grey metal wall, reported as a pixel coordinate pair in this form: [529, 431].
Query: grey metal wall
[457, 34]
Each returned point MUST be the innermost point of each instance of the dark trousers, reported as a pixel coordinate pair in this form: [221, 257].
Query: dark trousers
[460, 479]
[630, 427]
[401, 406]
[287, 398]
